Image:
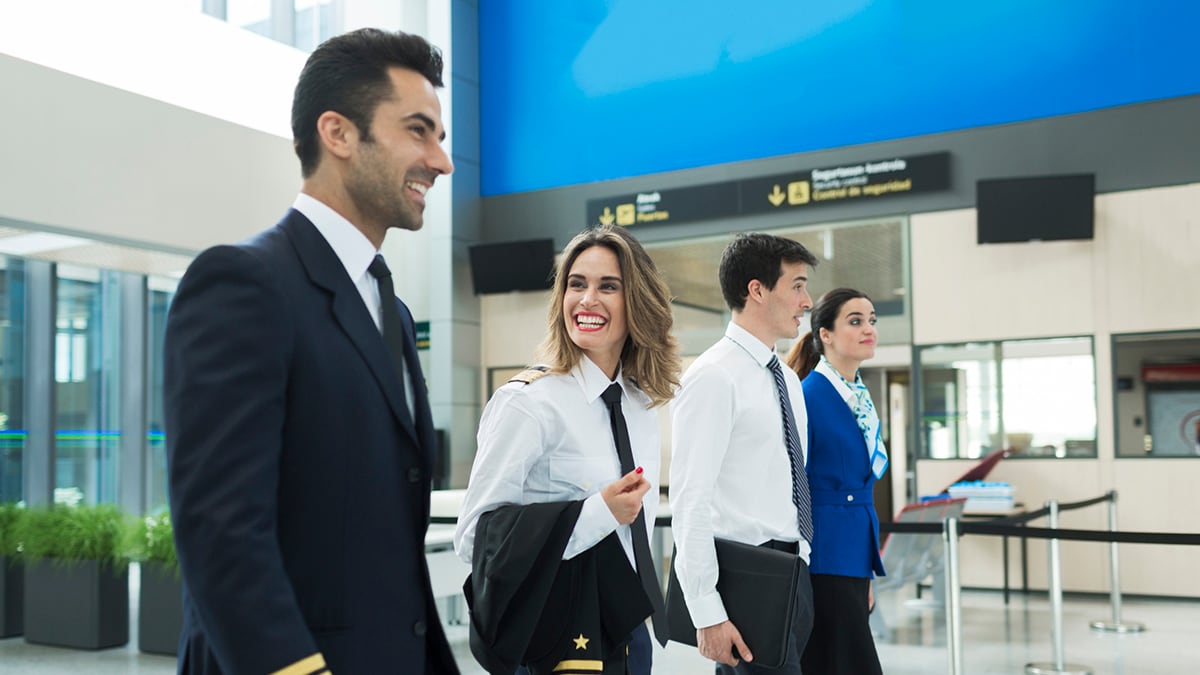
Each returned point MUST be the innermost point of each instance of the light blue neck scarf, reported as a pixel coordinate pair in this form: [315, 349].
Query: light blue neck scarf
[859, 399]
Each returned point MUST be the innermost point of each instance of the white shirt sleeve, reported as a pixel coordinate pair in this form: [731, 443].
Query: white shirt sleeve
[701, 429]
[510, 443]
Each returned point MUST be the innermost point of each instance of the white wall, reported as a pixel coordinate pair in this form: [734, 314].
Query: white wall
[962, 291]
[143, 122]
[146, 122]
[92, 159]
[160, 50]
[514, 324]
[1139, 274]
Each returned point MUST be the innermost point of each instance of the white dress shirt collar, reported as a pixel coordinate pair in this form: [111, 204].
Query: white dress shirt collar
[349, 244]
[758, 351]
[592, 380]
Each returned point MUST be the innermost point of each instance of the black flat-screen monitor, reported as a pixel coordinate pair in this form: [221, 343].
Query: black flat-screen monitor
[1034, 208]
[512, 266]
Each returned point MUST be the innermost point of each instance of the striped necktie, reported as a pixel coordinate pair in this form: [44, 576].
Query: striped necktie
[800, 495]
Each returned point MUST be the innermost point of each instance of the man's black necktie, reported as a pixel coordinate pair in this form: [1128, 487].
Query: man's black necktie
[393, 325]
[641, 541]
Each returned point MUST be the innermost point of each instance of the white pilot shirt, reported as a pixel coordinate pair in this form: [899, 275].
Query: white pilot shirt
[730, 472]
[551, 440]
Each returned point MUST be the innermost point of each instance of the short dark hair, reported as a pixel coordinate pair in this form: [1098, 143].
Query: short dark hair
[759, 256]
[348, 74]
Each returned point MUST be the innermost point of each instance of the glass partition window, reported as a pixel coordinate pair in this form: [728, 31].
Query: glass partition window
[1156, 380]
[869, 256]
[87, 386]
[161, 292]
[313, 23]
[12, 378]
[253, 15]
[303, 24]
[1035, 398]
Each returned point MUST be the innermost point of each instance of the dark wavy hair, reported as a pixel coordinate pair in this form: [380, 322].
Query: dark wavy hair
[806, 353]
[348, 74]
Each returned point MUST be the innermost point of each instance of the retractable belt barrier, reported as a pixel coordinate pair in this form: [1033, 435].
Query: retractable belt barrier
[1169, 538]
[1013, 526]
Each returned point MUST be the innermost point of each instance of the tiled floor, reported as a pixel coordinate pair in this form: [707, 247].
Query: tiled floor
[995, 640]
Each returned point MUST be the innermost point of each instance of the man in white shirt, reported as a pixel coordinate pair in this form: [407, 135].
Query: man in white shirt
[732, 474]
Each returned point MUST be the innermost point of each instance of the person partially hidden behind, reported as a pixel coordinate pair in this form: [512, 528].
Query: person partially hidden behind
[564, 490]
[846, 455]
[738, 427]
[300, 444]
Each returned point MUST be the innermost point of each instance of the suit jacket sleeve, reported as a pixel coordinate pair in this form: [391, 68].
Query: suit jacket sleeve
[225, 371]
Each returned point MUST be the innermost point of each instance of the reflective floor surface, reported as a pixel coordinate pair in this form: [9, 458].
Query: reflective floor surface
[996, 639]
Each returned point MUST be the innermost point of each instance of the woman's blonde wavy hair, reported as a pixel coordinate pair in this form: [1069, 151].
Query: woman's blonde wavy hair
[650, 356]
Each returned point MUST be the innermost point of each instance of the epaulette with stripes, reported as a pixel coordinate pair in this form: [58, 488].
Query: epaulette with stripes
[530, 374]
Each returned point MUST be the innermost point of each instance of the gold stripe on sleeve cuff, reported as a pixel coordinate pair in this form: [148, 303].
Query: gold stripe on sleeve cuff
[305, 666]
[580, 666]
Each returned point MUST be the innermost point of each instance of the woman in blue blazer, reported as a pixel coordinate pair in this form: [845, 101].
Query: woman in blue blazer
[845, 457]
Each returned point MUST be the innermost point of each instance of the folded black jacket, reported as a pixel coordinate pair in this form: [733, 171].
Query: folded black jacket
[529, 606]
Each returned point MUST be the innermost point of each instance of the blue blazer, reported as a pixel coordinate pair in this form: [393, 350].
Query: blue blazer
[299, 481]
[845, 526]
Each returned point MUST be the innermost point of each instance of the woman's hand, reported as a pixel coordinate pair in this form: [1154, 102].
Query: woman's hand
[624, 496]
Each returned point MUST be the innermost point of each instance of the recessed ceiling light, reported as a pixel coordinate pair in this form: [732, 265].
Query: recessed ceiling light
[34, 243]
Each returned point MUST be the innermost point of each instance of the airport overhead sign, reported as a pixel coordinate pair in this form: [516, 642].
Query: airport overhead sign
[876, 179]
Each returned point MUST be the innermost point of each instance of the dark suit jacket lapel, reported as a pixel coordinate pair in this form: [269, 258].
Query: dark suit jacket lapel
[327, 271]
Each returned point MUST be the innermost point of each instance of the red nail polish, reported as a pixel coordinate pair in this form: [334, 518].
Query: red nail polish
[638, 470]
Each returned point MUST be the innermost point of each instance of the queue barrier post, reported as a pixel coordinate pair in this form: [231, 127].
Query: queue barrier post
[953, 597]
[1116, 625]
[1059, 667]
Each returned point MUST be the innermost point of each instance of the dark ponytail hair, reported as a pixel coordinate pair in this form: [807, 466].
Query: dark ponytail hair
[806, 353]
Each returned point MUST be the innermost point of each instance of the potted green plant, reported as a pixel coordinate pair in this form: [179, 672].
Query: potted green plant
[76, 576]
[12, 572]
[160, 602]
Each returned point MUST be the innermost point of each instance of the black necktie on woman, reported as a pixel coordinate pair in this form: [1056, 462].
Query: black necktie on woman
[641, 542]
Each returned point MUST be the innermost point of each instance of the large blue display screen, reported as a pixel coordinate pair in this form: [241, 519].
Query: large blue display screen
[574, 91]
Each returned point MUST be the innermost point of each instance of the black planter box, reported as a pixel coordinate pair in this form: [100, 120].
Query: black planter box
[160, 609]
[12, 597]
[80, 604]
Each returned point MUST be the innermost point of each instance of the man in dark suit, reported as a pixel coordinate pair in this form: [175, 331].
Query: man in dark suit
[300, 441]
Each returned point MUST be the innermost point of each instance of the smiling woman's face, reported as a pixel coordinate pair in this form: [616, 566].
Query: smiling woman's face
[594, 307]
